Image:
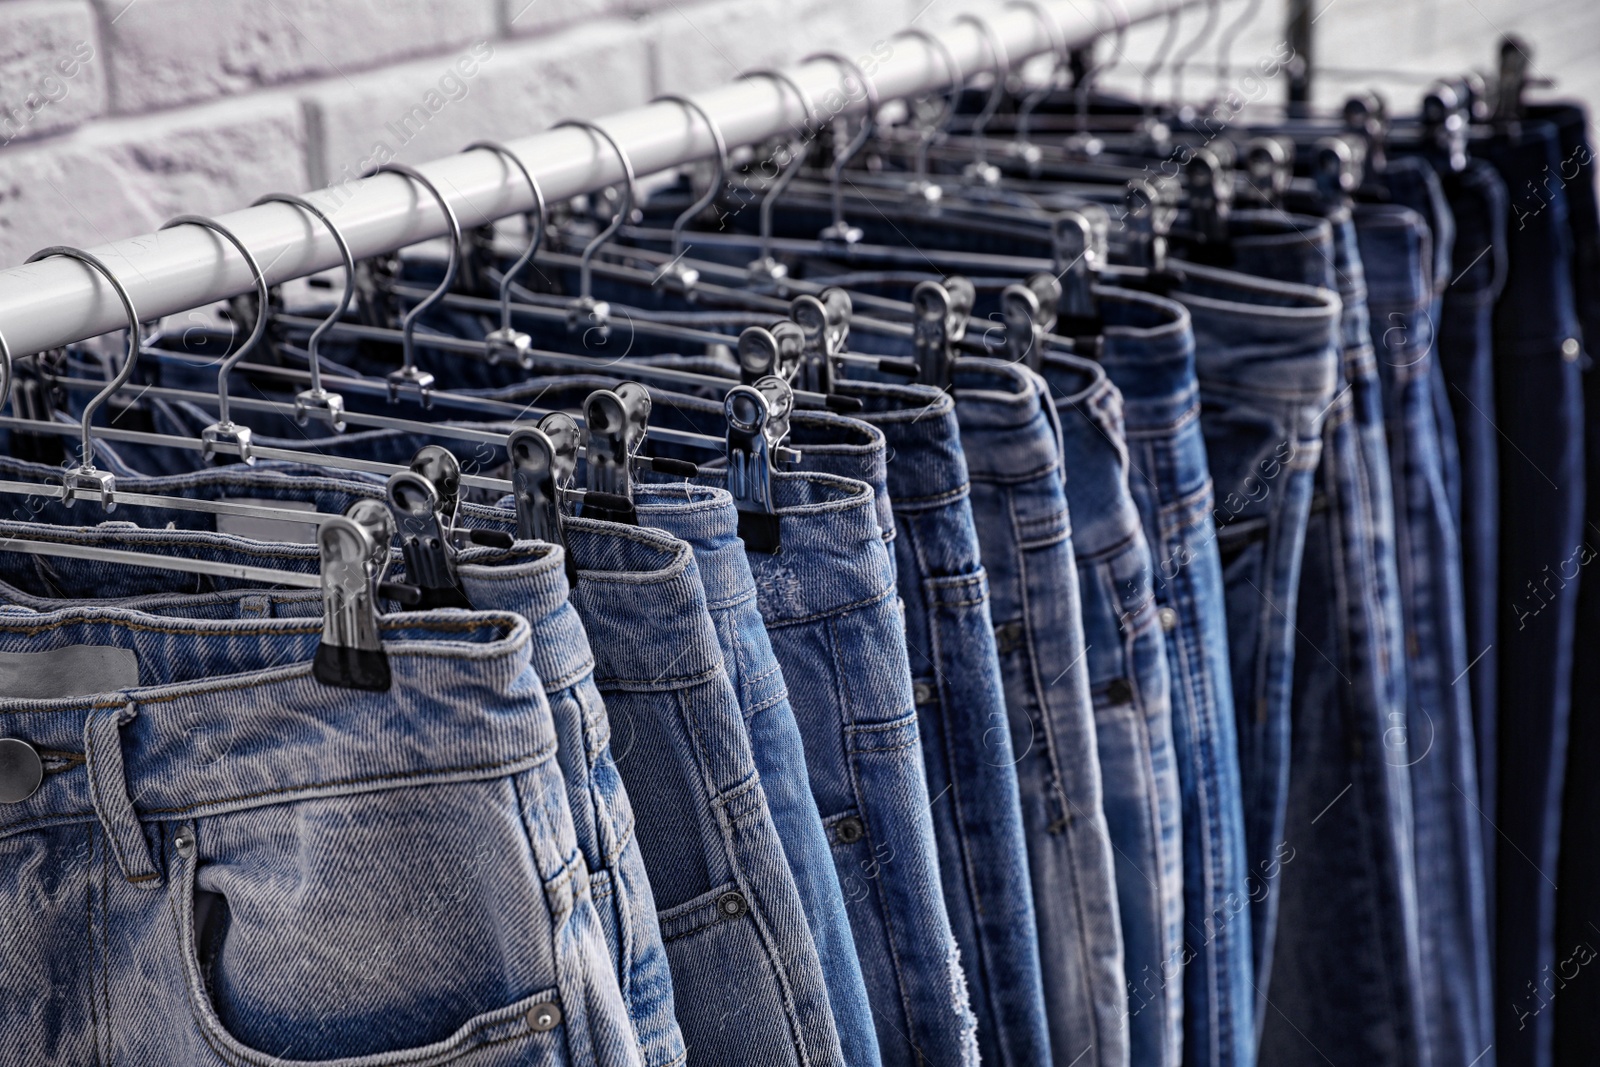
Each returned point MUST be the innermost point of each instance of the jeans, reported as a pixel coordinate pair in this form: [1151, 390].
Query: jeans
[1131, 690]
[1539, 409]
[745, 972]
[707, 520]
[1466, 356]
[235, 863]
[960, 699]
[1013, 446]
[1266, 356]
[1395, 243]
[529, 580]
[1148, 353]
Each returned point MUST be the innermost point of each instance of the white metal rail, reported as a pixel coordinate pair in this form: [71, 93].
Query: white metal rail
[58, 301]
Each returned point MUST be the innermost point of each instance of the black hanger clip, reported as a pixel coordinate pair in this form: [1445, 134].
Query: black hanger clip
[424, 542]
[940, 322]
[350, 655]
[541, 472]
[615, 424]
[758, 418]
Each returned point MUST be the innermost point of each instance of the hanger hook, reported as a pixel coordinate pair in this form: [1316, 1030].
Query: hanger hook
[135, 341]
[841, 229]
[534, 220]
[408, 373]
[720, 145]
[1058, 49]
[1229, 35]
[316, 398]
[955, 79]
[1213, 9]
[262, 297]
[5, 371]
[624, 214]
[1168, 38]
[798, 147]
[1119, 14]
[1001, 64]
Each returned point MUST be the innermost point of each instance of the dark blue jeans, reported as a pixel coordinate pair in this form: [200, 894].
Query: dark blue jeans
[1131, 691]
[1455, 941]
[1149, 355]
[1266, 356]
[1539, 409]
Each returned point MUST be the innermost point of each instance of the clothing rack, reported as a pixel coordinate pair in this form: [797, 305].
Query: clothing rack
[60, 301]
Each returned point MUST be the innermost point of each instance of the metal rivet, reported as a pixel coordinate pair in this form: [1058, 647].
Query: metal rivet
[922, 693]
[1570, 349]
[1169, 619]
[184, 842]
[849, 830]
[543, 1017]
[1120, 691]
[731, 905]
[21, 770]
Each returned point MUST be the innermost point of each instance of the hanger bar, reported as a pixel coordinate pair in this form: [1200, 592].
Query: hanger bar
[55, 302]
[264, 575]
[51, 491]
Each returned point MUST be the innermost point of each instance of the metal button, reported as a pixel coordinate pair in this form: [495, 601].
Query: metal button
[21, 770]
[184, 842]
[922, 693]
[544, 1017]
[731, 905]
[1570, 349]
[1120, 691]
[849, 830]
[1169, 619]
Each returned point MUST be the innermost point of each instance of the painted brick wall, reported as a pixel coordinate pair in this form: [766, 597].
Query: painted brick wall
[117, 114]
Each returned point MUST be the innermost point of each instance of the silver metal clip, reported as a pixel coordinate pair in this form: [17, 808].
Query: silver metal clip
[615, 422]
[1082, 240]
[350, 655]
[229, 433]
[1152, 207]
[88, 478]
[748, 413]
[536, 472]
[1029, 312]
[509, 344]
[1269, 163]
[938, 326]
[761, 353]
[429, 555]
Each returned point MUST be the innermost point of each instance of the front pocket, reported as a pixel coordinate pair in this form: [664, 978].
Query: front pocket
[302, 942]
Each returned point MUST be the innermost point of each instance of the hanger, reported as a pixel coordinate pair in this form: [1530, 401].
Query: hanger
[980, 171]
[317, 402]
[676, 274]
[586, 311]
[766, 270]
[1213, 10]
[409, 375]
[758, 427]
[1058, 53]
[506, 342]
[840, 231]
[933, 130]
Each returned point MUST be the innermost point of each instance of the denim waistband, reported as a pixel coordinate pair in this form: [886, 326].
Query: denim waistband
[1006, 433]
[1261, 337]
[1478, 201]
[849, 448]
[829, 526]
[706, 519]
[1290, 248]
[1349, 272]
[1149, 350]
[1412, 182]
[1095, 456]
[456, 711]
[927, 467]
[1397, 251]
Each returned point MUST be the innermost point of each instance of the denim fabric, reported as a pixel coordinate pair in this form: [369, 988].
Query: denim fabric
[529, 580]
[1266, 356]
[1466, 357]
[746, 976]
[1395, 243]
[1539, 410]
[1577, 1039]
[828, 602]
[1013, 448]
[231, 863]
[1128, 680]
[707, 520]
[1148, 352]
[961, 710]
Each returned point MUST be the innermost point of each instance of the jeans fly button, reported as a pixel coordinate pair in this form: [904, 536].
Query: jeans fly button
[21, 770]
[849, 830]
[732, 904]
[544, 1017]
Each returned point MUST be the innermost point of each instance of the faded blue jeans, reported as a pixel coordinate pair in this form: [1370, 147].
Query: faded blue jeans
[1148, 352]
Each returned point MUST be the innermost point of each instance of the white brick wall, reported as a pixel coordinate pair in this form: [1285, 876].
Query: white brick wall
[117, 114]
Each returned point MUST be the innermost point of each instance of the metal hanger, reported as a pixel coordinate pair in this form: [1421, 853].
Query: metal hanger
[1174, 10]
[681, 277]
[932, 131]
[1225, 45]
[841, 231]
[1213, 10]
[980, 171]
[588, 312]
[507, 342]
[766, 270]
[317, 402]
[5, 371]
[1058, 53]
[225, 429]
[409, 375]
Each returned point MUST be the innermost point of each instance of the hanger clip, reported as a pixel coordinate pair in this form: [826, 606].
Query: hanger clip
[1446, 125]
[228, 433]
[776, 351]
[939, 325]
[509, 344]
[1210, 188]
[323, 406]
[411, 378]
[586, 313]
[1335, 169]
[615, 423]
[539, 475]
[428, 551]
[350, 655]
[1152, 207]
[1082, 239]
[1029, 312]
[86, 478]
[1269, 165]
[750, 465]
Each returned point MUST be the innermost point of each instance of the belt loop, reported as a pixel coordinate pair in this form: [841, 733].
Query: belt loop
[108, 789]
